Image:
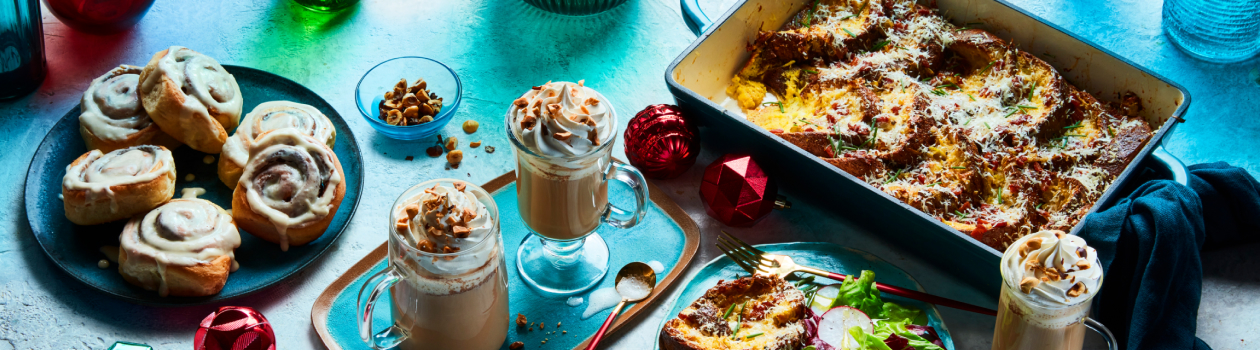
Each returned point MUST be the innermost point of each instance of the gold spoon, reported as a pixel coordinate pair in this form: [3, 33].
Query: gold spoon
[635, 282]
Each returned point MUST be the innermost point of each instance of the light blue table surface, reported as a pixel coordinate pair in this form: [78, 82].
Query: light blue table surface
[500, 48]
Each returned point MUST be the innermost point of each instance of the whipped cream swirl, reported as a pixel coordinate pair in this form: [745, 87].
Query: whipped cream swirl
[562, 119]
[1053, 267]
[448, 219]
[111, 107]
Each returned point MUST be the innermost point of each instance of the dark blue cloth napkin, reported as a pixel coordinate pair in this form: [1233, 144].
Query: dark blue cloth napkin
[1149, 244]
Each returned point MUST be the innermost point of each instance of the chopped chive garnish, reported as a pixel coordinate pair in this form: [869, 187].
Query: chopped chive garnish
[846, 31]
[863, 8]
[847, 17]
[938, 92]
[986, 125]
[754, 335]
[1033, 89]
[999, 195]
[810, 71]
[987, 66]
[811, 347]
[1074, 126]
[1008, 115]
[1110, 132]
[973, 23]
[1025, 107]
[934, 184]
[893, 177]
[879, 45]
[740, 322]
[960, 214]
[958, 167]
[728, 311]
[1038, 207]
[780, 104]
[968, 121]
[973, 98]
[947, 85]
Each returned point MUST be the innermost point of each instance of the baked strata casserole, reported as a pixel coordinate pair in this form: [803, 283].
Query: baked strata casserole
[762, 312]
[951, 120]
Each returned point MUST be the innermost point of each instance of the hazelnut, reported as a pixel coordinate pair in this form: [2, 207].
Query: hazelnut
[426, 119]
[410, 112]
[489, 149]
[426, 246]
[516, 345]
[451, 143]
[449, 249]
[460, 231]
[1077, 290]
[474, 144]
[393, 117]
[460, 186]
[562, 136]
[412, 209]
[1082, 264]
[1027, 284]
[521, 321]
[521, 102]
[471, 126]
[426, 110]
[455, 157]
[402, 226]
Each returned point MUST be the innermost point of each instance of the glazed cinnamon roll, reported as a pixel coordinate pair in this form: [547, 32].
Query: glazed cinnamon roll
[103, 187]
[111, 115]
[182, 248]
[266, 117]
[191, 97]
[290, 188]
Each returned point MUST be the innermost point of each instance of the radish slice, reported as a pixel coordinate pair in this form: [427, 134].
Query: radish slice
[823, 299]
[834, 327]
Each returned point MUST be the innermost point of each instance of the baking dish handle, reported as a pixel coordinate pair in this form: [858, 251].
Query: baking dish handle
[1174, 166]
[695, 18]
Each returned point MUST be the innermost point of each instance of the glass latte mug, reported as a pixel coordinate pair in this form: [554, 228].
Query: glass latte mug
[456, 300]
[1031, 318]
[563, 200]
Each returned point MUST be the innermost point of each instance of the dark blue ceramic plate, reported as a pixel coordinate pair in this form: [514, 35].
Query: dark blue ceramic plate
[77, 249]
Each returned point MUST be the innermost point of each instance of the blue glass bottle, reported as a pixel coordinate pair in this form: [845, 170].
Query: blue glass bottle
[22, 65]
[1214, 30]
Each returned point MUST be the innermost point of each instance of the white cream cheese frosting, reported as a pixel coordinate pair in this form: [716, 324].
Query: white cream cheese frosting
[562, 119]
[183, 232]
[99, 172]
[291, 179]
[111, 107]
[274, 115]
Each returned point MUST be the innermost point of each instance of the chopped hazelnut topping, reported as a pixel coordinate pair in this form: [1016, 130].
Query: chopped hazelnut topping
[1077, 290]
[529, 121]
[1033, 243]
[537, 88]
[553, 110]
[448, 249]
[1082, 264]
[516, 345]
[582, 82]
[461, 231]
[521, 321]
[1028, 284]
[474, 144]
[562, 136]
[402, 226]
[451, 220]
[542, 325]
[584, 110]
[469, 215]
[412, 209]
[426, 246]
[593, 136]
[592, 101]
[434, 231]
[521, 102]
[460, 186]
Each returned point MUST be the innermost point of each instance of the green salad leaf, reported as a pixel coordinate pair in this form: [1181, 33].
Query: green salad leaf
[860, 293]
[867, 341]
[895, 312]
[886, 328]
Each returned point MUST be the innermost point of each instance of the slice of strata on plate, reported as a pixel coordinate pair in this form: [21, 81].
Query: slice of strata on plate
[759, 312]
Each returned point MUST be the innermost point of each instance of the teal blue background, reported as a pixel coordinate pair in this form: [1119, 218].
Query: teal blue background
[657, 238]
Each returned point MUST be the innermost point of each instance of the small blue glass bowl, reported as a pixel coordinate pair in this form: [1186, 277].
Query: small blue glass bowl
[441, 80]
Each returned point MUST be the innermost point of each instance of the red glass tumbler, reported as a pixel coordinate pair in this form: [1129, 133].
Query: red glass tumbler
[99, 16]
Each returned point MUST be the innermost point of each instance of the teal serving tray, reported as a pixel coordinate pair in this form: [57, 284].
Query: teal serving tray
[666, 234]
[824, 256]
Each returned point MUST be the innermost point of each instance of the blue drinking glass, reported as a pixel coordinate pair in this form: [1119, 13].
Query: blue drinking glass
[1221, 31]
[22, 65]
[575, 7]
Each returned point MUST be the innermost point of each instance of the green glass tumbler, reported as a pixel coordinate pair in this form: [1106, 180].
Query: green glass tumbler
[326, 6]
[575, 7]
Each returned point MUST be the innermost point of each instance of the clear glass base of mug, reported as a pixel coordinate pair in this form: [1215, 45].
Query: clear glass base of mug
[562, 268]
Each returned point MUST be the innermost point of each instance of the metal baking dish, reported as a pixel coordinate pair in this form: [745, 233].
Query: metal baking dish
[699, 76]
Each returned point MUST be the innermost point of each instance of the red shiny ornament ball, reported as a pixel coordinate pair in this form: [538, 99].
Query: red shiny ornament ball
[661, 143]
[235, 328]
[736, 191]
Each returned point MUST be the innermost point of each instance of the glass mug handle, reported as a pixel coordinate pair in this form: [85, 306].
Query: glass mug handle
[367, 303]
[1103, 331]
[621, 218]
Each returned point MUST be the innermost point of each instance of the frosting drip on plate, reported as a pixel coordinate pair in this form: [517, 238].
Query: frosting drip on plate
[291, 180]
[562, 119]
[111, 107]
[183, 232]
[1053, 266]
[275, 115]
[98, 172]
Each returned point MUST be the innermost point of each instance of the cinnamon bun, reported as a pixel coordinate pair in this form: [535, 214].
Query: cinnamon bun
[191, 97]
[111, 115]
[290, 188]
[266, 117]
[182, 248]
[103, 187]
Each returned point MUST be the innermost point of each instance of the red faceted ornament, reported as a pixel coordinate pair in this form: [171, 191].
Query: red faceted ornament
[661, 143]
[736, 191]
[235, 328]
